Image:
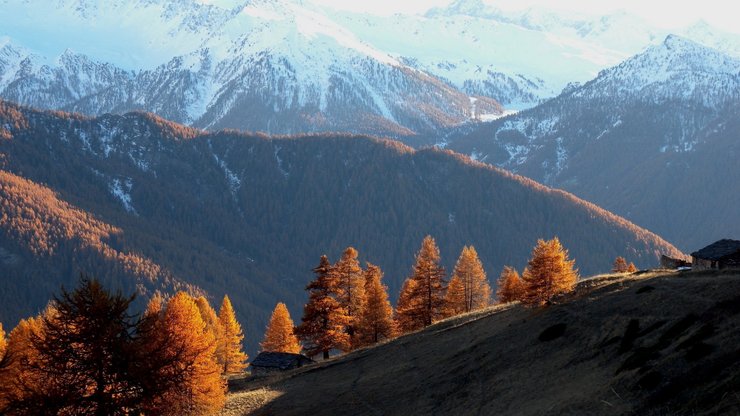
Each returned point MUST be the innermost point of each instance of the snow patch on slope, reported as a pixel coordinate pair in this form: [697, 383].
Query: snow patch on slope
[121, 190]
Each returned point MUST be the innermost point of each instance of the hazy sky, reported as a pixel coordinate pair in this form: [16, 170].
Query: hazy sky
[662, 13]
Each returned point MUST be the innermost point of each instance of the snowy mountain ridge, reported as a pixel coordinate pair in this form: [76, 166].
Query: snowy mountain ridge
[274, 66]
[678, 68]
[288, 66]
[700, 80]
[638, 139]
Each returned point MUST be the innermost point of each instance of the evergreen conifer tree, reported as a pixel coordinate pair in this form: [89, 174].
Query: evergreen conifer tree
[84, 353]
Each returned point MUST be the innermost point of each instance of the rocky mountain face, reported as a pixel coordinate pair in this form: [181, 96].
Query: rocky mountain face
[250, 215]
[641, 139]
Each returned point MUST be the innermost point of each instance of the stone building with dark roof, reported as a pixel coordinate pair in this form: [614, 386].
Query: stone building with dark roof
[667, 262]
[268, 362]
[723, 254]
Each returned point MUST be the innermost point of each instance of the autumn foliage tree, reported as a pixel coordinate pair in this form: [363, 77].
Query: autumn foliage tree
[631, 268]
[376, 320]
[350, 290]
[180, 356]
[280, 335]
[406, 320]
[324, 319]
[81, 355]
[18, 382]
[230, 353]
[549, 272]
[3, 342]
[620, 265]
[213, 324]
[426, 295]
[468, 289]
[87, 355]
[510, 286]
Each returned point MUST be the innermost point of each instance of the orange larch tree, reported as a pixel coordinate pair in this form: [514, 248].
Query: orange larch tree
[229, 351]
[324, 319]
[468, 289]
[631, 268]
[428, 289]
[18, 383]
[454, 298]
[406, 317]
[213, 324]
[87, 355]
[280, 334]
[184, 355]
[620, 265]
[3, 342]
[549, 272]
[510, 286]
[376, 321]
[210, 318]
[350, 289]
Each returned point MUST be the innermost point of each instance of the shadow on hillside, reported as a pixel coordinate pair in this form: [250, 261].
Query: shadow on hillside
[650, 344]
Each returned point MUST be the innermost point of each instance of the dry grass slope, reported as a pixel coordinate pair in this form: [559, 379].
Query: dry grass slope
[651, 344]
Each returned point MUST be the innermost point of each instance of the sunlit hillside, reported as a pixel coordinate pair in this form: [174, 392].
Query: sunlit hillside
[652, 344]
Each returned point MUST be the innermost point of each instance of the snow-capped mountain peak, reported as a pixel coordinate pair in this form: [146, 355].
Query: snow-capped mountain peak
[285, 66]
[678, 67]
[279, 66]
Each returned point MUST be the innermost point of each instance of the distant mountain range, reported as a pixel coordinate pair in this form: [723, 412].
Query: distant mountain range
[286, 66]
[654, 139]
[273, 66]
[250, 215]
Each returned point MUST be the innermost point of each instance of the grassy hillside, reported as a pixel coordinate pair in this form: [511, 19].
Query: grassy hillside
[650, 344]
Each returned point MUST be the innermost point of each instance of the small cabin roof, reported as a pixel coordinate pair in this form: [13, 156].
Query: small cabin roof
[281, 360]
[718, 250]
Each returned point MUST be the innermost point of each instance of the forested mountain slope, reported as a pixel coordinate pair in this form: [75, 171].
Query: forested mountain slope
[250, 215]
[46, 242]
[654, 139]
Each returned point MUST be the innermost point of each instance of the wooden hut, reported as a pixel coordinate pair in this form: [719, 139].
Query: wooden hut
[268, 362]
